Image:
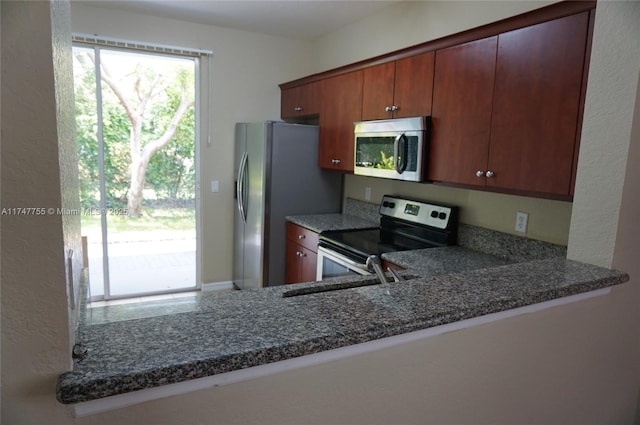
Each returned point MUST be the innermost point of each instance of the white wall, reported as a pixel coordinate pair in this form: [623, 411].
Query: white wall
[606, 133]
[574, 364]
[38, 160]
[247, 69]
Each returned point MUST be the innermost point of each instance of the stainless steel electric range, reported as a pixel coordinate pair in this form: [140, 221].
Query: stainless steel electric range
[405, 224]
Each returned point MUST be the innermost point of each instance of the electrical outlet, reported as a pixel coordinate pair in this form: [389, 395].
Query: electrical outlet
[367, 193]
[521, 222]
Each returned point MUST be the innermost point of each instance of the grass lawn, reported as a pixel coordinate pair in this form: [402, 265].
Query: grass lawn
[155, 224]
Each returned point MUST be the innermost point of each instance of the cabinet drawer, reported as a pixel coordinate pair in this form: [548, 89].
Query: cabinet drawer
[301, 236]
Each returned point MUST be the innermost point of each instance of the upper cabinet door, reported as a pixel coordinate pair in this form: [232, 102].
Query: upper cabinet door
[536, 105]
[414, 86]
[461, 118]
[340, 107]
[398, 89]
[377, 92]
[300, 101]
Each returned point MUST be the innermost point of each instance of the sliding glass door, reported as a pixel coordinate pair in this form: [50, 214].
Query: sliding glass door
[136, 133]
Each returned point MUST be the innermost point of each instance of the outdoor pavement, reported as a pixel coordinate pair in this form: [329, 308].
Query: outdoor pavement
[144, 267]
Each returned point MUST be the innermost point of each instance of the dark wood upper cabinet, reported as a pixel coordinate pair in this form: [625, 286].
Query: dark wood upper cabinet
[414, 86]
[462, 99]
[506, 101]
[340, 107]
[300, 101]
[506, 109]
[377, 91]
[401, 88]
[536, 105]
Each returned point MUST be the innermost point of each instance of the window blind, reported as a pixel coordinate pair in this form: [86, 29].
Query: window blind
[96, 40]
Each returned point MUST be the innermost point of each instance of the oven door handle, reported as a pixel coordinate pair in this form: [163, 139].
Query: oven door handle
[400, 165]
[339, 258]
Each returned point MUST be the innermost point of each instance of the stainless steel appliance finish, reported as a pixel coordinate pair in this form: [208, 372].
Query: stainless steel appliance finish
[404, 224]
[393, 149]
[277, 174]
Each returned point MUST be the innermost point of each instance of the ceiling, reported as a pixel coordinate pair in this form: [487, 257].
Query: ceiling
[298, 19]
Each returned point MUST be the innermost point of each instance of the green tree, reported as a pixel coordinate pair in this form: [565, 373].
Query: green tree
[148, 118]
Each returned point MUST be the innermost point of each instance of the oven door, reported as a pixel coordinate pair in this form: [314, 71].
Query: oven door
[333, 264]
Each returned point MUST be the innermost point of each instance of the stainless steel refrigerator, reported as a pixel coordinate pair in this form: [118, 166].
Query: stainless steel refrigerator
[277, 174]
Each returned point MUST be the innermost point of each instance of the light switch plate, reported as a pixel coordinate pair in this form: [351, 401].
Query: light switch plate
[367, 193]
[215, 186]
[522, 219]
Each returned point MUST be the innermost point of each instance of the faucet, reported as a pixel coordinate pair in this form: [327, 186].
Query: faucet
[374, 264]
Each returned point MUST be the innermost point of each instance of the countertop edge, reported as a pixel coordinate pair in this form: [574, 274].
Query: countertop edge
[117, 401]
[71, 389]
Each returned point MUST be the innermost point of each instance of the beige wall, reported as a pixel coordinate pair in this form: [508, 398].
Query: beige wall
[38, 158]
[548, 220]
[408, 23]
[247, 69]
[571, 364]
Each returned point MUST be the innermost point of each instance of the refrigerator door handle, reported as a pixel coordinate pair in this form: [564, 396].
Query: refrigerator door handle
[240, 187]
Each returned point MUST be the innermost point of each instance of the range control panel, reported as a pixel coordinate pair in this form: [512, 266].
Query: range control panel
[420, 212]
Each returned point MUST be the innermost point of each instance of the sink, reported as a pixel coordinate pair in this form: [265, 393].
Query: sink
[337, 286]
[329, 287]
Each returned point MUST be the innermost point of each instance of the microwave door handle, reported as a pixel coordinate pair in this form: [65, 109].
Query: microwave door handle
[395, 152]
[401, 165]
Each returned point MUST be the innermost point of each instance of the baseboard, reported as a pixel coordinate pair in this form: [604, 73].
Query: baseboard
[216, 286]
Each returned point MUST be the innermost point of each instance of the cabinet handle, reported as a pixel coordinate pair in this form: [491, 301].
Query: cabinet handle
[479, 173]
[301, 236]
[394, 108]
[490, 173]
[335, 161]
[387, 109]
[298, 109]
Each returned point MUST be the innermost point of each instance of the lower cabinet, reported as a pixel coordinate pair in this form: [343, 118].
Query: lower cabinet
[301, 257]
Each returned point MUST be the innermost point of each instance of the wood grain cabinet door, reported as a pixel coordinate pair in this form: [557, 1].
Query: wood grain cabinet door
[377, 91]
[308, 268]
[536, 105]
[340, 107]
[300, 101]
[292, 260]
[462, 99]
[398, 89]
[413, 90]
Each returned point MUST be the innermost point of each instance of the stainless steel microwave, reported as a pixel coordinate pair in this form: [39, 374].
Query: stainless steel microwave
[392, 149]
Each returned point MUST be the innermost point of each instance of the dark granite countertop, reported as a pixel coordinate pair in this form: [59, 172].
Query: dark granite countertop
[324, 222]
[234, 330]
[445, 260]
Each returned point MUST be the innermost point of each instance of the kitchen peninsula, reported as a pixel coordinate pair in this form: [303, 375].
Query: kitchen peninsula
[445, 286]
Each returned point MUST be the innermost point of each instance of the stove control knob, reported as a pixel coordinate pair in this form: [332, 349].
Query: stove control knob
[434, 214]
[442, 216]
[385, 204]
[392, 204]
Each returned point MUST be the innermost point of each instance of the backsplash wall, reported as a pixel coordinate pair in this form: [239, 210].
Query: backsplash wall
[548, 220]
